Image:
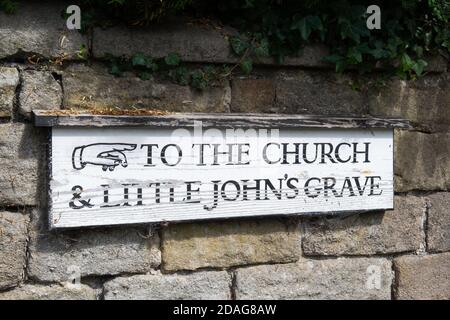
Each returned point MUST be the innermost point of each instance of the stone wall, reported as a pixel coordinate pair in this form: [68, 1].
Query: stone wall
[275, 258]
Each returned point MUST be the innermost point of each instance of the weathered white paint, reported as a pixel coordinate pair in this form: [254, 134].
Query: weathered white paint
[95, 157]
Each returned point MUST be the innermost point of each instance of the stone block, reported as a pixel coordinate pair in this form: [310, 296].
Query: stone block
[423, 277]
[392, 231]
[207, 285]
[13, 245]
[338, 279]
[50, 292]
[39, 91]
[94, 88]
[9, 79]
[62, 256]
[190, 246]
[21, 148]
[38, 28]
[438, 226]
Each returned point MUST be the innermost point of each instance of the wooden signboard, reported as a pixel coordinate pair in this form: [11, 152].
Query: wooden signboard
[109, 170]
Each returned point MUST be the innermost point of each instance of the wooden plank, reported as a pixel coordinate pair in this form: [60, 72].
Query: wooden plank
[43, 118]
[111, 176]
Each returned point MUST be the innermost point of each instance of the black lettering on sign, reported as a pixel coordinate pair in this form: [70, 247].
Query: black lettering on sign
[77, 198]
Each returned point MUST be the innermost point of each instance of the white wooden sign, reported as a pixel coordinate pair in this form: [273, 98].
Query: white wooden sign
[127, 175]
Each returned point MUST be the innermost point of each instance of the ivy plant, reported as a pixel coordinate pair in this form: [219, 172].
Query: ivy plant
[170, 66]
[411, 31]
[8, 6]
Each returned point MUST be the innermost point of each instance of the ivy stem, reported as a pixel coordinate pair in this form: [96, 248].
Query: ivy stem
[245, 55]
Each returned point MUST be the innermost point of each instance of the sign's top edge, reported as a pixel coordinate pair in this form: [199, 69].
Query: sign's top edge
[46, 118]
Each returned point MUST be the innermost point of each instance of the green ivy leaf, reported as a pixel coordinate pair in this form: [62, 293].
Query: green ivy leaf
[340, 66]
[209, 71]
[354, 55]
[246, 65]
[239, 45]
[379, 53]
[419, 66]
[139, 59]
[401, 74]
[418, 50]
[304, 28]
[353, 29]
[172, 59]
[226, 70]
[306, 25]
[144, 75]
[334, 58]
[83, 53]
[8, 6]
[198, 80]
[406, 62]
[115, 70]
[180, 75]
[356, 85]
[262, 50]
[151, 65]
